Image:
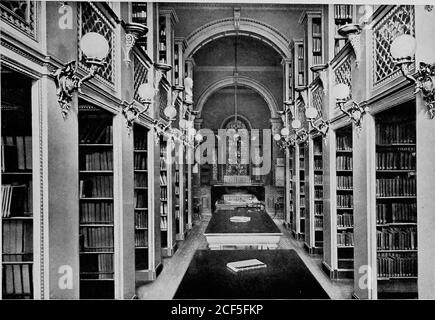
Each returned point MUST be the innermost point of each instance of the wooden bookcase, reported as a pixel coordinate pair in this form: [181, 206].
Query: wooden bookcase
[342, 14]
[299, 67]
[302, 190]
[16, 218]
[177, 201]
[396, 204]
[142, 219]
[96, 226]
[139, 15]
[163, 41]
[312, 21]
[314, 219]
[289, 194]
[344, 205]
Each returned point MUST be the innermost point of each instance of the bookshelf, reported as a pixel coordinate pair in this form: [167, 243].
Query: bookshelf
[139, 15]
[177, 201]
[186, 198]
[344, 205]
[163, 42]
[163, 194]
[396, 204]
[141, 208]
[299, 67]
[302, 194]
[96, 226]
[342, 14]
[16, 190]
[314, 221]
[289, 194]
[312, 21]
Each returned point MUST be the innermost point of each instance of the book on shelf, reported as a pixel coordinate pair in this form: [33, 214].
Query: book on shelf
[96, 212]
[140, 180]
[345, 220]
[96, 187]
[345, 239]
[244, 265]
[16, 200]
[101, 160]
[140, 161]
[17, 280]
[141, 238]
[403, 159]
[163, 209]
[16, 153]
[344, 182]
[395, 133]
[343, 11]
[17, 240]
[141, 219]
[396, 265]
[344, 162]
[163, 223]
[318, 208]
[344, 201]
[95, 131]
[344, 143]
[96, 239]
[140, 199]
[396, 213]
[318, 222]
[394, 238]
[396, 187]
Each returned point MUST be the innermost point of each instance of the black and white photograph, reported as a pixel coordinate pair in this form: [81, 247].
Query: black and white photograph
[213, 151]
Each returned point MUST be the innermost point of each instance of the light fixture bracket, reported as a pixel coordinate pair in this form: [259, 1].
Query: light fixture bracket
[352, 31]
[134, 31]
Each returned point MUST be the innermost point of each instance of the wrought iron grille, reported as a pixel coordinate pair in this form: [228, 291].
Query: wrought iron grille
[20, 14]
[163, 99]
[140, 75]
[343, 73]
[317, 99]
[400, 20]
[92, 20]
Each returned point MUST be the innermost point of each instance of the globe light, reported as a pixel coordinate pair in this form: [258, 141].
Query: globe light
[403, 47]
[170, 112]
[189, 124]
[285, 131]
[191, 131]
[341, 91]
[296, 124]
[276, 137]
[146, 91]
[94, 46]
[311, 113]
[198, 137]
[182, 123]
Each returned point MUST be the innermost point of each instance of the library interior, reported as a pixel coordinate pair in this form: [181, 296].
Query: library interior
[174, 150]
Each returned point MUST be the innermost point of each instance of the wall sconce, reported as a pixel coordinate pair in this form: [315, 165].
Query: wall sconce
[355, 112]
[131, 111]
[319, 125]
[352, 31]
[134, 31]
[403, 50]
[321, 70]
[161, 69]
[301, 135]
[95, 49]
[285, 139]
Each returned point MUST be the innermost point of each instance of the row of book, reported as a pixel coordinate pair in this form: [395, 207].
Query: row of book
[163, 178]
[397, 238]
[318, 194]
[16, 200]
[397, 133]
[343, 11]
[17, 237]
[102, 160]
[318, 223]
[318, 164]
[140, 161]
[317, 45]
[396, 265]
[318, 179]
[344, 182]
[163, 209]
[140, 141]
[339, 44]
[396, 160]
[396, 213]
[317, 148]
[96, 239]
[344, 143]
[164, 223]
[16, 153]
[96, 212]
[96, 186]
[140, 180]
[318, 209]
[17, 281]
[141, 238]
[345, 239]
[96, 131]
[96, 263]
[399, 186]
[317, 58]
[163, 193]
[140, 199]
[344, 163]
[345, 220]
[141, 219]
[317, 26]
[344, 200]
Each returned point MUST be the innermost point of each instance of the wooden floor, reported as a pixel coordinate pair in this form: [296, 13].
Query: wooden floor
[166, 285]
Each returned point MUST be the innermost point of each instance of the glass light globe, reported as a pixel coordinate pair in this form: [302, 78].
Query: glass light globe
[94, 46]
[191, 131]
[170, 112]
[182, 123]
[276, 137]
[285, 131]
[311, 113]
[189, 124]
[296, 124]
[403, 47]
[341, 91]
[188, 82]
[146, 91]
[198, 137]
